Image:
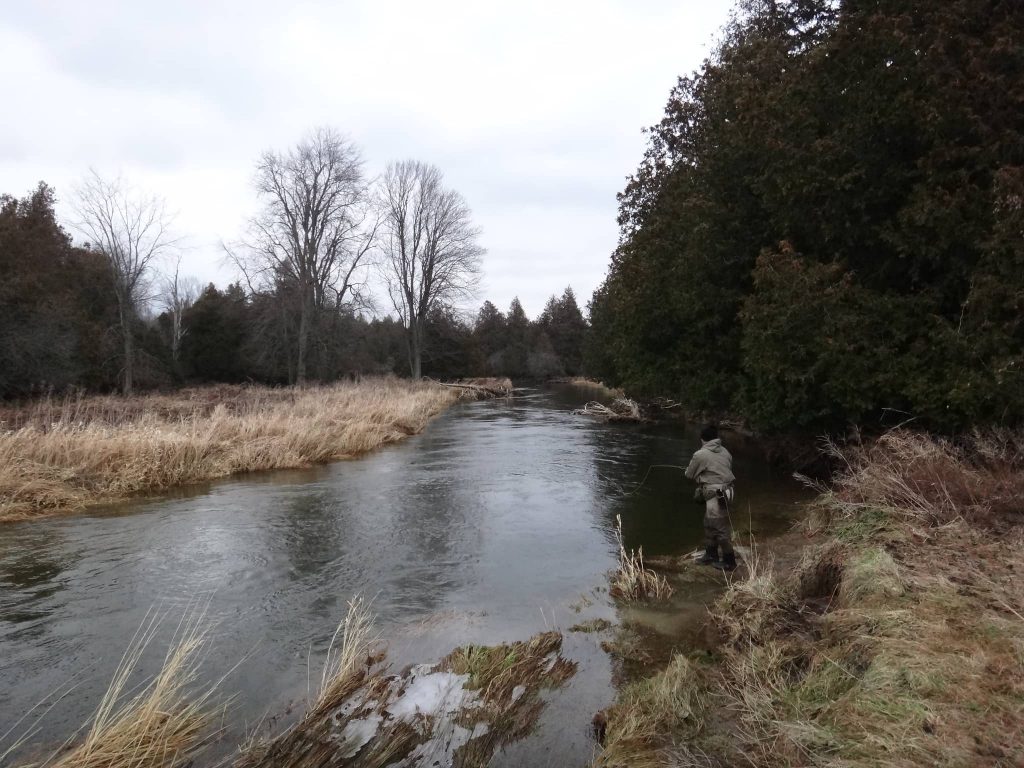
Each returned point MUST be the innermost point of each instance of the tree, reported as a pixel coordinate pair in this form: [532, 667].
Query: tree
[314, 233]
[515, 357]
[563, 323]
[131, 231]
[55, 301]
[489, 336]
[431, 254]
[179, 293]
[823, 228]
[218, 322]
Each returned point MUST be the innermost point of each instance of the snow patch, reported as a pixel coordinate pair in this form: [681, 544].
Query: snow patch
[357, 733]
[430, 693]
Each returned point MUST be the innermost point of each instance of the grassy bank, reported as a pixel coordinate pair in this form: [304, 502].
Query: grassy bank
[899, 639]
[63, 455]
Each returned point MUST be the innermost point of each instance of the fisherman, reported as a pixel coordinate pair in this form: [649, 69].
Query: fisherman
[711, 468]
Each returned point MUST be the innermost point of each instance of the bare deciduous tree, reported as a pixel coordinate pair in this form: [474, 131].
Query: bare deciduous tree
[179, 293]
[131, 230]
[315, 231]
[431, 254]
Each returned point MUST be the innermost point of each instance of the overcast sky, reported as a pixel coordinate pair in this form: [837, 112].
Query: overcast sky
[533, 110]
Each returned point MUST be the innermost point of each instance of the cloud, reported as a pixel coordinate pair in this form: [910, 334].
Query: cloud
[533, 109]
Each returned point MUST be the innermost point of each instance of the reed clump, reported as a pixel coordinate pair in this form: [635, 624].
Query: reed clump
[632, 580]
[60, 456]
[898, 640]
[351, 658]
[165, 724]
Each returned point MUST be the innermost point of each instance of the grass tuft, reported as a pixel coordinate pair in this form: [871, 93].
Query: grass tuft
[163, 725]
[632, 581]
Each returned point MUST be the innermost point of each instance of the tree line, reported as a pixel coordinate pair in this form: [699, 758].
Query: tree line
[115, 313]
[827, 226]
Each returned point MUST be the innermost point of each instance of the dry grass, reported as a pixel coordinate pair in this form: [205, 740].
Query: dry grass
[163, 725]
[497, 670]
[898, 640]
[934, 480]
[307, 744]
[654, 720]
[498, 687]
[348, 656]
[632, 580]
[63, 456]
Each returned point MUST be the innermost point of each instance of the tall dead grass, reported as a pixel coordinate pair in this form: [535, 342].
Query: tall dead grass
[58, 456]
[934, 480]
[165, 724]
[632, 580]
[308, 744]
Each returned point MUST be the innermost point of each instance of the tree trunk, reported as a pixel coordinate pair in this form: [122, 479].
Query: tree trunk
[303, 343]
[124, 316]
[415, 351]
[129, 357]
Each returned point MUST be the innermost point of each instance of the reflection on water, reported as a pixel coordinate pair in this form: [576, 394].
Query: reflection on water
[489, 526]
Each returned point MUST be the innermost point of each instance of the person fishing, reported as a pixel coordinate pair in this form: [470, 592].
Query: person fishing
[711, 469]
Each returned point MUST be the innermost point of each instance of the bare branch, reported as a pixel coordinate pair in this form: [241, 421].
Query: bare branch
[431, 258]
[132, 231]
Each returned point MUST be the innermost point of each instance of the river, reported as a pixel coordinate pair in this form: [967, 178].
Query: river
[495, 523]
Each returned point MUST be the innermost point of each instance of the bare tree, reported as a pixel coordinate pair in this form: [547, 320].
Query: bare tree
[431, 254]
[315, 231]
[131, 230]
[179, 293]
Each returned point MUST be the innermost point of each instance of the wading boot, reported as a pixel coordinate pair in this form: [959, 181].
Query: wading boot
[728, 562]
[710, 556]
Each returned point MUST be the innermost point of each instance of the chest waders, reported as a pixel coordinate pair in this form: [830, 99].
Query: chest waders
[717, 526]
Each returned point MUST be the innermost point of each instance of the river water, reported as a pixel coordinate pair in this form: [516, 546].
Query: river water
[493, 524]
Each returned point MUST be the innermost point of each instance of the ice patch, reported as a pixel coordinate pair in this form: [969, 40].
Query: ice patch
[357, 733]
[431, 693]
[439, 751]
[518, 692]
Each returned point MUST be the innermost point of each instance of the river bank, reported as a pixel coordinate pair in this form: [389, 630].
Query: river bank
[59, 456]
[897, 640]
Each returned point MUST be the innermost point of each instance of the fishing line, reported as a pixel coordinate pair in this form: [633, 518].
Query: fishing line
[647, 475]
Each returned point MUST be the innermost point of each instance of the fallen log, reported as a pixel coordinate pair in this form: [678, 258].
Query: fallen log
[621, 409]
[482, 388]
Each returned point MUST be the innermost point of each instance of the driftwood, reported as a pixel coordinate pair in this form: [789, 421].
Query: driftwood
[482, 388]
[621, 409]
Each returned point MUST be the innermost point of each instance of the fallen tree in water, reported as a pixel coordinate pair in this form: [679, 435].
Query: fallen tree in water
[621, 409]
[482, 388]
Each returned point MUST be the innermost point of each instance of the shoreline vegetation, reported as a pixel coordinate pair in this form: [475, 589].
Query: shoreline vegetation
[64, 455]
[458, 711]
[897, 640]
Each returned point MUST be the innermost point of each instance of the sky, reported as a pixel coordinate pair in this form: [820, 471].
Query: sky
[532, 110]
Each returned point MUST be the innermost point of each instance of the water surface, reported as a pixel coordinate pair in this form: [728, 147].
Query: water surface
[496, 522]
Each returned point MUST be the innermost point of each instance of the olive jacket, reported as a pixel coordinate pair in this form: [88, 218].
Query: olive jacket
[711, 465]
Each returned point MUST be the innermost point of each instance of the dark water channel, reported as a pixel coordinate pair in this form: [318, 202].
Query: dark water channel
[495, 523]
